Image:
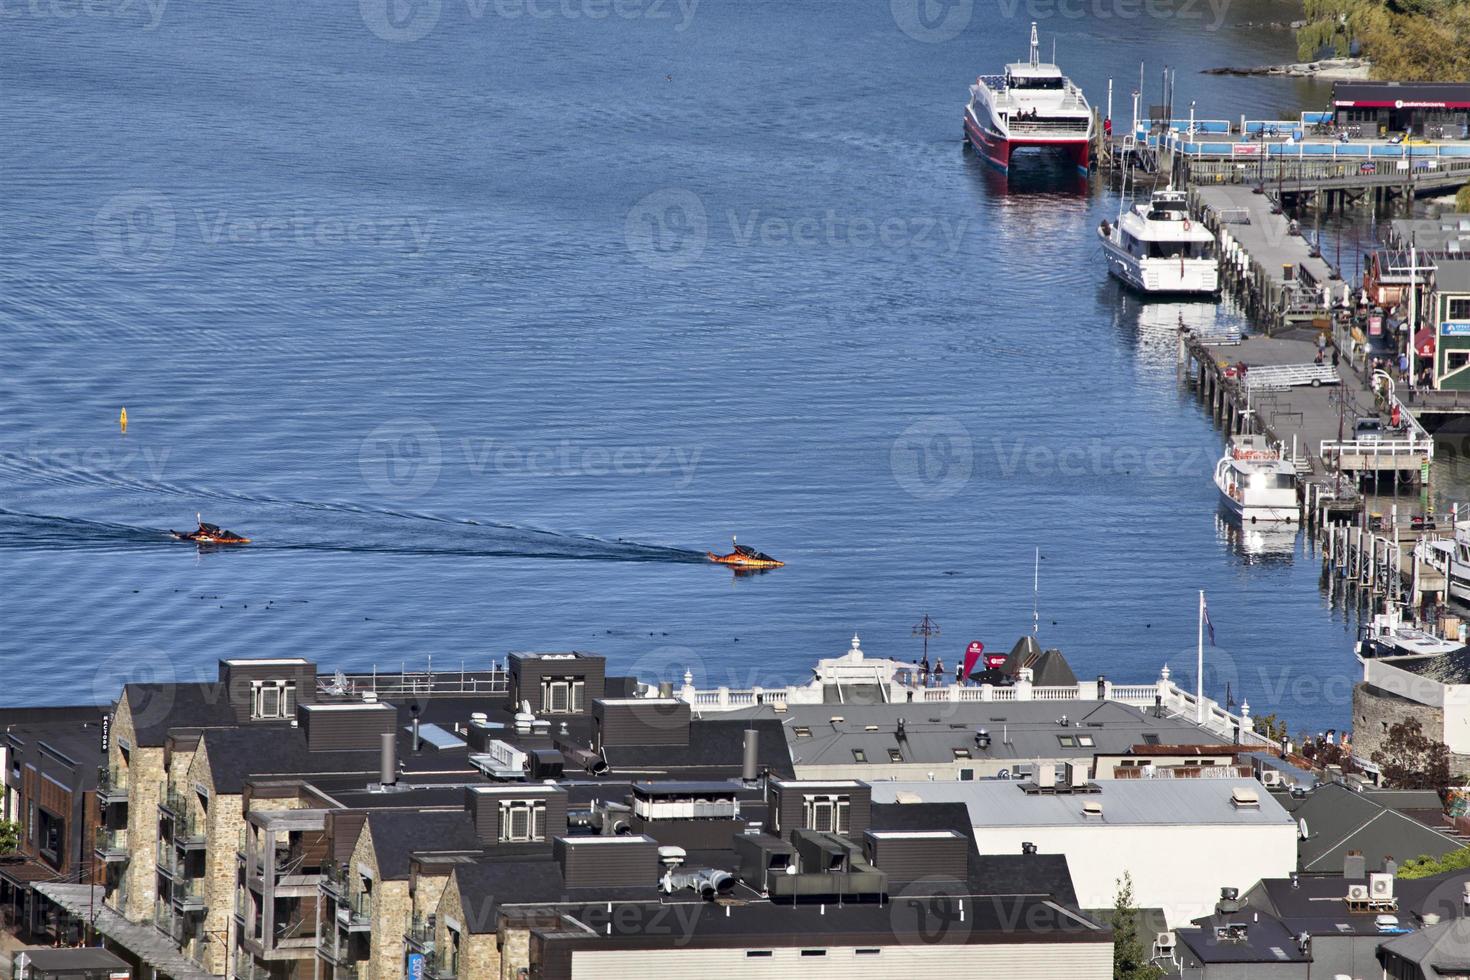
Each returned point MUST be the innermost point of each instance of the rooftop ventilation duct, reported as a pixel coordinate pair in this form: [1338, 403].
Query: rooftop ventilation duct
[707, 882]
[1028, 848]
[749, 763]
[388, 759]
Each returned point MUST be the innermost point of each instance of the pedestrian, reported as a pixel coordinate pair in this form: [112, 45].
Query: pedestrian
[924, 671]
[959, 674]
[1318, 359]
[938, 670]
[1335, 357]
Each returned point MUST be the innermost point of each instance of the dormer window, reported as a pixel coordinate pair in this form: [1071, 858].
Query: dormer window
[562, 695]
[522, 820]
[272, 699]
[826, 813]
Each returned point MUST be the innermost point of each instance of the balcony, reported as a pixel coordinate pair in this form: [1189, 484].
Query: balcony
[333, 881]
[247, 969]
[170, 801]
[420, 935]
[189, 896]
[169, 862]
[168, 922]
[355, 911]
[112, 845]
[112, 786]
[189, 832]
[441, 966]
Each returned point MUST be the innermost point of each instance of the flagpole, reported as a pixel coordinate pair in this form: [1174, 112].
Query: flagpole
[1199, 667]
[1036, 594]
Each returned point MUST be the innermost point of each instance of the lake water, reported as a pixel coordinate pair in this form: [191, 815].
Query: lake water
[485, 320]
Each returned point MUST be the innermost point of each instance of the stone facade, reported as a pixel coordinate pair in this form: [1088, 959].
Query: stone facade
[222, 820]
[515, 951]
[142, 767]
[1375, 711]
[479, 955]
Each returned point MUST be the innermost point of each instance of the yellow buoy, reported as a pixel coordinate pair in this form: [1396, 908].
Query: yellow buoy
[122, 420]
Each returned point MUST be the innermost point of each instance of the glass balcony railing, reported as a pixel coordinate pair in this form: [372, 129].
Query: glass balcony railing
[420, 934]
[168, 921]
[334, 879]
[189, 896]
[169, 862]
[112, 845]
[171, 802]
[112, 785]
[247, 969]
[355, 911]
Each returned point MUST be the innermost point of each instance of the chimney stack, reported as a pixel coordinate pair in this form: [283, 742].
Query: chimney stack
[1354, 866]
[749, 764]
[388, 770]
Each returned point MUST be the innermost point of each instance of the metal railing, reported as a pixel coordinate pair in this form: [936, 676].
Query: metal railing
[112, 844]
[112, 785]
[420, 934]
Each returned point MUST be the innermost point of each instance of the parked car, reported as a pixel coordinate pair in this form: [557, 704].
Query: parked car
[1369, 429]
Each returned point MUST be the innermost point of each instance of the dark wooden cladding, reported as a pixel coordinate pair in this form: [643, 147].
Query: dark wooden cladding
[238, 675]
[607, 862]
[342, 830]
[528, 670]
[346, 727]
[483, 806]
[910, 857]
[641, 721]
[787, 802]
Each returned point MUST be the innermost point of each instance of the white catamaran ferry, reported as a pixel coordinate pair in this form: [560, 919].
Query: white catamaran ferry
[1156, 248]
[1033, 105]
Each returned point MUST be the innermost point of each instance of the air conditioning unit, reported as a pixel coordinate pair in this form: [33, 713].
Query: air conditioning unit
[1270, 777]
[1357, 893]
[1380, 886]
[1164, 943]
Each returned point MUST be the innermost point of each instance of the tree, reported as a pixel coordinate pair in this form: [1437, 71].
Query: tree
[1130, 955]
[1410, 759]
[9, 836]
[1462, 199]
[1270, 726]
[1424, 866]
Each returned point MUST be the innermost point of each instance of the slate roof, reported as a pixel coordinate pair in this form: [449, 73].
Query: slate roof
[1318, 905]
[1437, 950]
[716, 750]
[1266, 941]
[158, 708]
[1340, 820]
[237, 754]
[487, 885]
[399, 834]
[1447, 668]
[1019, 730]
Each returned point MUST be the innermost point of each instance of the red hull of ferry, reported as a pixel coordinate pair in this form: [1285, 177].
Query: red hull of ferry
[998, 149]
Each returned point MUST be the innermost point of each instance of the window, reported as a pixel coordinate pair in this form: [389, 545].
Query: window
[1085, 741]
[562, 695]
[868, 951]
[814, 952]
[1456, 360]
[967, 775]
[1460, 309]
[452, 953]
[858, 755]
[757, 952]
[1067, 741]
[1150, 738]
[827, 813]
[272, 699]
[894, 755]
[523, 820]
[52, 833]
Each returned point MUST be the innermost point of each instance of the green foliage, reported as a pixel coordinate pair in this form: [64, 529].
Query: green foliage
[9, 836]
[1270, 726]
[1424, 866]
[1410, 759]
[1407, 40]
[1462, 199]
[1130, 955]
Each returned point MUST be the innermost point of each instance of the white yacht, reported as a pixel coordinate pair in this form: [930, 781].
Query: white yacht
[1032, 105]
[1157, 248]
[1457, 561]
[1255, 483]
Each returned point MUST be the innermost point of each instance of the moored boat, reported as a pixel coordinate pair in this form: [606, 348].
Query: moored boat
[1032, 106]
[1255, 483]
[1156, 248]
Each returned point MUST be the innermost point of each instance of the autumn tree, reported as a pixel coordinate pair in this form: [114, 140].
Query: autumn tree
[1410, 759]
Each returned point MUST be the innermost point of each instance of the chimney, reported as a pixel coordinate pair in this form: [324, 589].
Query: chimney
[1029, 848]
[665, 689]
[1354, 866]
[388, 769]
[413, 710]
[1229, 901]
[1390, 866]
[749, 765]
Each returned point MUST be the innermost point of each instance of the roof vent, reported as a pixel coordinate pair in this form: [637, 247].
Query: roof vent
[1091, 808]
[1027, 847]
[1243, 797]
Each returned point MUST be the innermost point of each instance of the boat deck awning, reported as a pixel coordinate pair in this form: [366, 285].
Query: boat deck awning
[140, 939]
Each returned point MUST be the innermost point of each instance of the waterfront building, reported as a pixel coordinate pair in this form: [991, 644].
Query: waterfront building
[1438, 110]
[1449, 322]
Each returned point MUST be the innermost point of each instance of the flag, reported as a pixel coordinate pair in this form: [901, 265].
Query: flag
[972, 655]
[1205, 609]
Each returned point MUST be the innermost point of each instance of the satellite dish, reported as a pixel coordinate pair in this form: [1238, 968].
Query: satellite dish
[1301, 828]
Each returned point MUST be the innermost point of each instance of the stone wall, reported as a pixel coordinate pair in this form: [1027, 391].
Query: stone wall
[479, 952]
[223, 821]
[1375, 711]
[145, 775]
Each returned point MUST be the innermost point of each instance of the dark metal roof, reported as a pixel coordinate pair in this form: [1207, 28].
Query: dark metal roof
[1410, 94]
[398, 834]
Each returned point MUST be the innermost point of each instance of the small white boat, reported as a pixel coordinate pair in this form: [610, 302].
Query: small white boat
[1456, 561]
[1157, 248]
[1255, 483]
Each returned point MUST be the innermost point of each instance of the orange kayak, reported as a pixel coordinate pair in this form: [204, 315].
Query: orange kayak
[743, 557]
[210, 534]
